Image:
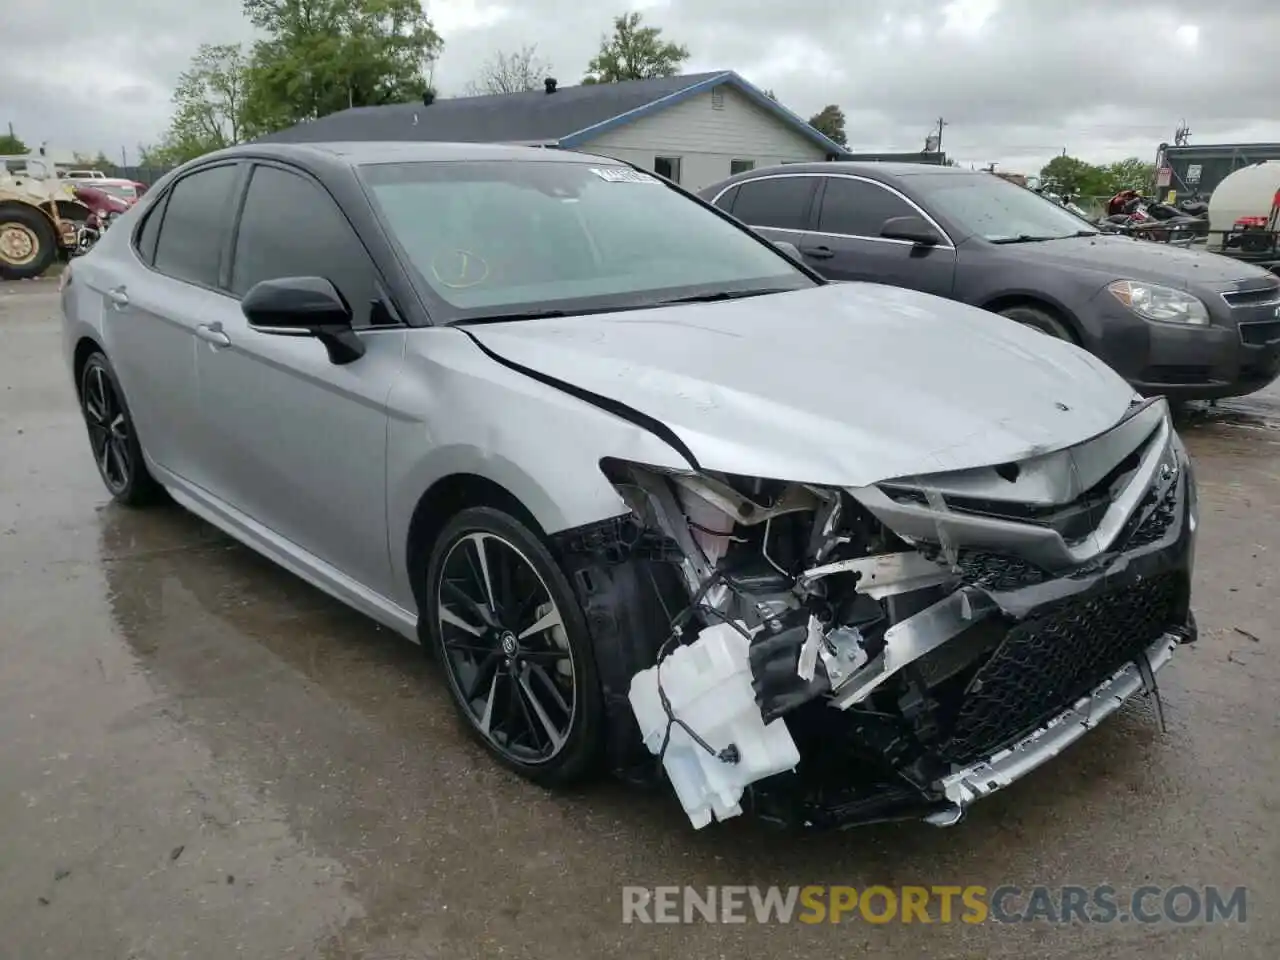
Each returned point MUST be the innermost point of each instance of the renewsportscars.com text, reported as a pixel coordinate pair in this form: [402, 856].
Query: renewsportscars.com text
[814, 904]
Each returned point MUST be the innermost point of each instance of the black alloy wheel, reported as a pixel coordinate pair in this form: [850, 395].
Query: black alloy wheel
[514, 646]
[112, 439]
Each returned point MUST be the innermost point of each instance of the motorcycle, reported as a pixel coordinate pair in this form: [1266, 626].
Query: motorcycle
[1129, 212]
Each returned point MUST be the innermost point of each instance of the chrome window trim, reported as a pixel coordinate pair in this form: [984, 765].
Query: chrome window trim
[948, 245]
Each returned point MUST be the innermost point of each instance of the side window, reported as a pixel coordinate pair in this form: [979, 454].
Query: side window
[195, 219]
[291, 228]
[859, 208]
[150, 230]
[725, 202]
[781, 202]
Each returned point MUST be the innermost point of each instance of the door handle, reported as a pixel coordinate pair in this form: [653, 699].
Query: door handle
[119, 297]
[212, 333]
[819, 253]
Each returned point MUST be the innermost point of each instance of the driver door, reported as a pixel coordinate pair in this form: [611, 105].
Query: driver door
[292, 440]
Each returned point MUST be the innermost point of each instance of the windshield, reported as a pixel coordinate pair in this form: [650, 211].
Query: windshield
[996, 210]
[497, 238]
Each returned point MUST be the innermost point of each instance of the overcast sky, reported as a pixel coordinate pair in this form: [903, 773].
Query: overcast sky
[1017, 80]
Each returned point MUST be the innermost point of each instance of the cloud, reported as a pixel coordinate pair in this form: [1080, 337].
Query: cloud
[1018, 81]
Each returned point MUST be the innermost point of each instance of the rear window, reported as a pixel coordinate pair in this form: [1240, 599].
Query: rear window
[779, 202]
[194, 227]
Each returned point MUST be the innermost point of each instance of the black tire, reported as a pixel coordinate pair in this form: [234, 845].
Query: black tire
[28, 243]
[113, 440]
[544, 736]
[1040, 320]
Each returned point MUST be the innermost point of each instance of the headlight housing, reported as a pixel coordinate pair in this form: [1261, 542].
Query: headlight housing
[1154, 302]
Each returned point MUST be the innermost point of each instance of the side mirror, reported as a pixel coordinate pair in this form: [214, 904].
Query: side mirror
[790, 249]
[304, 307]
[913, 228]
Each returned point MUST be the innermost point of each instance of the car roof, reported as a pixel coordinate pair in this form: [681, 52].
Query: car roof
[354, 153]
[876, 169]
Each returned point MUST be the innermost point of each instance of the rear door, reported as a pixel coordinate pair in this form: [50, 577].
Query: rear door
[776, 206]
[845, 243]
[166, 287]
[294, 441]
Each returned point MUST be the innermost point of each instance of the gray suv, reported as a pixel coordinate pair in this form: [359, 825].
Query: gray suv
[1181, 323]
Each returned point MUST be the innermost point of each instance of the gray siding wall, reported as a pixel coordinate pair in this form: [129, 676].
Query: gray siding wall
[706, 138]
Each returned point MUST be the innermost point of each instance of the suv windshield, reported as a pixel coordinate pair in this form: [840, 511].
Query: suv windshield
[501, 239]
[997, 210]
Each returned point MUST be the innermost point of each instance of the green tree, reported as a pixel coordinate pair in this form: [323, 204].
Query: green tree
[10, 143]
[634, 52]
[829, 121]
[321, 56]
[1072, 176]
[1131, 174]
[209, 104]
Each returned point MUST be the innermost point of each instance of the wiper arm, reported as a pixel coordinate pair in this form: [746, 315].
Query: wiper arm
[722, 295]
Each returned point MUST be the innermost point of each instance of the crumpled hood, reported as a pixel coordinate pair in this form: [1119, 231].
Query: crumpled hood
[1124, 258]
[845, 384]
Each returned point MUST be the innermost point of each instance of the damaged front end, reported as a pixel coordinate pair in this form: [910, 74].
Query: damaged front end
[830, 657]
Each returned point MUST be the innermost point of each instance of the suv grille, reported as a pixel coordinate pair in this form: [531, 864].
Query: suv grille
[1048, 661]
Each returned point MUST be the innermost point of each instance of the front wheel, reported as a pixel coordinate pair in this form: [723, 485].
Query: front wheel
[512, 640]
[28, 244]
[1041, 320]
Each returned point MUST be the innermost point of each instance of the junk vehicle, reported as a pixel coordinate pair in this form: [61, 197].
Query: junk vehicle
[655, 494]
[1174, 322]
[1244, 215]
[40, 217]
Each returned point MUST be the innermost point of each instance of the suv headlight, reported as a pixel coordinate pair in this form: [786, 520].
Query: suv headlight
[1154, 302]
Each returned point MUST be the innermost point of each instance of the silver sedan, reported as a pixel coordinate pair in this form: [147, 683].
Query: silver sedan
[645, 484]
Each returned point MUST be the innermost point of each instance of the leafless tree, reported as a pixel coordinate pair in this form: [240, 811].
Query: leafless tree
[510, 73]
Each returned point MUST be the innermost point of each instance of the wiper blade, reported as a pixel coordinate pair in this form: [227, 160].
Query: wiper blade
[722, 295]
[1023, 238]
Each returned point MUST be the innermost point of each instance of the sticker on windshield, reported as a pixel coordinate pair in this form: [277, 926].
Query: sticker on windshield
[623, 175]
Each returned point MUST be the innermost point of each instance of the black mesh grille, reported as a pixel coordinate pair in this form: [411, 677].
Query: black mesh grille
[993, 571]
[1048, 661]
[1155, 524]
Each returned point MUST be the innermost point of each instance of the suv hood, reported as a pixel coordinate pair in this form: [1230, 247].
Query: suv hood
[1124, 258]
[844, 384]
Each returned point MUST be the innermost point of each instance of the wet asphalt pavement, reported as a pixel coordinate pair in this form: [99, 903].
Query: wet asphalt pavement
[202, 756]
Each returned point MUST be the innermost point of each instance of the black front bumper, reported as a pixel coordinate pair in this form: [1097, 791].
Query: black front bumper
[1071, 645]
[1236, 354]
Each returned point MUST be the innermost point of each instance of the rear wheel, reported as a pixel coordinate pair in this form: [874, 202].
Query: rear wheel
[28, 244]
[514, 646]
[1039, 319]
[112, 438]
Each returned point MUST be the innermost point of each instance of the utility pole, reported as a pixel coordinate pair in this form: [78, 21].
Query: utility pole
[941, 123]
